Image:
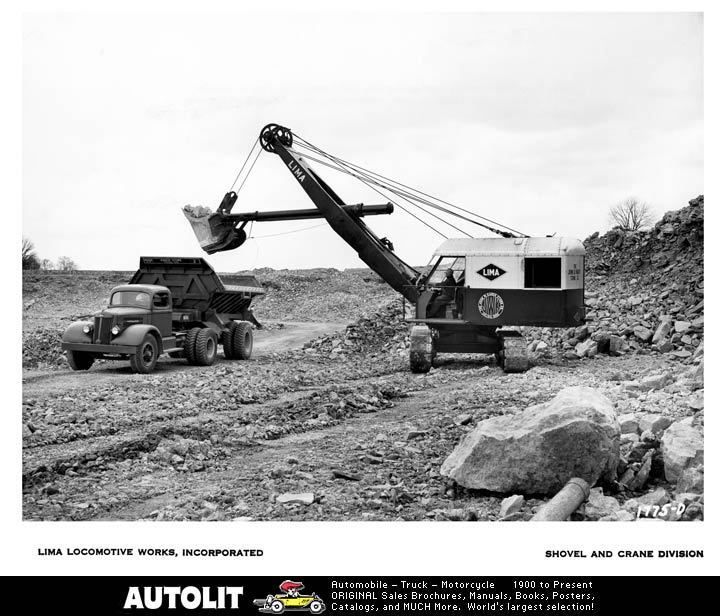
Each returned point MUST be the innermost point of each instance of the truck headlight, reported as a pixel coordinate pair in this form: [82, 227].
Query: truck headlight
[87, 328]
[115, 330]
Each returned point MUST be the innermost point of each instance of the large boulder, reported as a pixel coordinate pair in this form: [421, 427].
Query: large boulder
[682, 447]
[538, 450]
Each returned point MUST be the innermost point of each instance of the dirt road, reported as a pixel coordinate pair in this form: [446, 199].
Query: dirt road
[275, 338]
[359, 445]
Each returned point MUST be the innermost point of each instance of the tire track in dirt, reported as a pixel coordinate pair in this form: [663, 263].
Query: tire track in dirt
[40, 460]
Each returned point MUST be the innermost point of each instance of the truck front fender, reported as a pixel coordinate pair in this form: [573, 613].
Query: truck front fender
[133, 335]
[74, 333]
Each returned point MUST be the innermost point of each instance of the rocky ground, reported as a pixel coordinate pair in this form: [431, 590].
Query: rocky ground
[325, 422]
[53, 300]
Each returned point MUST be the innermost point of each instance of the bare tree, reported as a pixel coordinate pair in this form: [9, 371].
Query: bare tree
[631, 214]
[66, 264]
[29, 256]
[47, 264]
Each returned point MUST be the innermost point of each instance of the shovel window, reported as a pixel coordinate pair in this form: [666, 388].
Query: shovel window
[542, 273]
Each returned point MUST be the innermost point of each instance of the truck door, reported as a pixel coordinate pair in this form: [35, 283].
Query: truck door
[162, 313]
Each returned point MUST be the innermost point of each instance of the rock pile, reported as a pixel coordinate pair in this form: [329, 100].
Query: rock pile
[538, 450]
[383, 331]
[644, 292]
[320, 294]
[41, 347]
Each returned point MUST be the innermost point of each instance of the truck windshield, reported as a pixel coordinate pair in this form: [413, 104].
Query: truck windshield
[130, 298]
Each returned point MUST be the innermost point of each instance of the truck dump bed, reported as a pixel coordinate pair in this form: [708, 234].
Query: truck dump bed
[195, 285]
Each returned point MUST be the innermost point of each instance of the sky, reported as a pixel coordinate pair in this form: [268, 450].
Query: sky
[541, 121]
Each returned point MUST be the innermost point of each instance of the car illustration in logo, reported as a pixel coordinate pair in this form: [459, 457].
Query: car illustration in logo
[290, 600]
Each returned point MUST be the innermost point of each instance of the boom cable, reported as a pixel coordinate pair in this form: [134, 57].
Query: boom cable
[363, 180]
[407, 196]
[371, 181]
[376, 181]
[378, 177]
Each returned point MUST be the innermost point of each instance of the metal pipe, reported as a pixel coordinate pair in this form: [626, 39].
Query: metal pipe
[567, 500]
[354, 210]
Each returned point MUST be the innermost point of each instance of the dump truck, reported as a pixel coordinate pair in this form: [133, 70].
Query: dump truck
[474, 292]
[173, 305]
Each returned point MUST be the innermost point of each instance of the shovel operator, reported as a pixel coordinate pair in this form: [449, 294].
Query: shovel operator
[446, 295]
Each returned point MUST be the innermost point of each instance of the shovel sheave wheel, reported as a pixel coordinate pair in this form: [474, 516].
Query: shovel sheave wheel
[79, 360]
[146, 355]
[205, 347]
[283, 135]
[190, 344]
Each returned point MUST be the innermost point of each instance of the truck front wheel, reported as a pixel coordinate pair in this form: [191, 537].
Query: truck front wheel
[79, 360]
[205, 347]
[146, 355]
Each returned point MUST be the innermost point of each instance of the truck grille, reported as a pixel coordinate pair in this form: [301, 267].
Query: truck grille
[102, 328]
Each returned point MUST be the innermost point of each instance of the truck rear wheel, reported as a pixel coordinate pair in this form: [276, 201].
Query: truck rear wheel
[146, 355]
[227, 340]
[78, 360]
[242, 340]
[205, 347]
[190, 344]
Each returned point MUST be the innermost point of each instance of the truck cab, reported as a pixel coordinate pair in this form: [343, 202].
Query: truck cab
[137, 323]
[137, 303]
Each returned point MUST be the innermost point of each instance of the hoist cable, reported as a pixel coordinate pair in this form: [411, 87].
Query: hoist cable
[237, 177]
[247, 175]
[338, 168]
